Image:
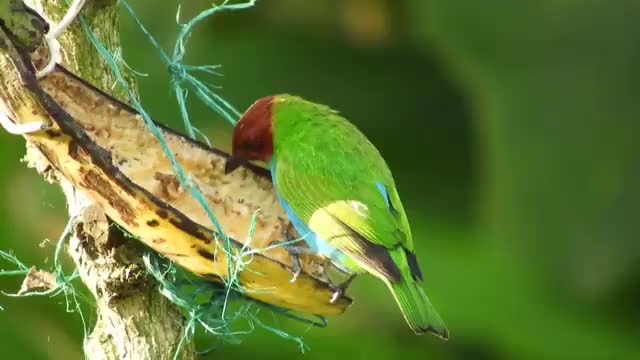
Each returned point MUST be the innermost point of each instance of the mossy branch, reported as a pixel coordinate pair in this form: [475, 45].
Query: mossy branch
[134, 321]
[112, 167]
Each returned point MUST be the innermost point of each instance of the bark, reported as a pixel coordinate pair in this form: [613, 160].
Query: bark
[111, 168]
[134, 321]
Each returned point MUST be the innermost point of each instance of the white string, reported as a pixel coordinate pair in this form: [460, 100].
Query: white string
[51, 38]
[17, 129]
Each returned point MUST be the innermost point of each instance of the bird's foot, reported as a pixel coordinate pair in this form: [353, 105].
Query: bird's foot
[336, 296]
[294, 251]
[51, 38]
[340, 290]
[297, 267]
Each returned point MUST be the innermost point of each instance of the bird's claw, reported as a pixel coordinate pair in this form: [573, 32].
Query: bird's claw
[293, 251]
[340, 290]
[336, 296]
[297, 267]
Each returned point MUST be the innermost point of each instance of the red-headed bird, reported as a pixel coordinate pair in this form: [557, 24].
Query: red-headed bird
[339, 194]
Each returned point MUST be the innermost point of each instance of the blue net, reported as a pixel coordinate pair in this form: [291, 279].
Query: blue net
[63, 282]
[206, 305]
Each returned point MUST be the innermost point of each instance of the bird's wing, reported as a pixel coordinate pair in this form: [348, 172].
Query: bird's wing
[358, 214]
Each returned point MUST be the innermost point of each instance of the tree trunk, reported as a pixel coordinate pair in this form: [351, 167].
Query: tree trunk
[134, 320]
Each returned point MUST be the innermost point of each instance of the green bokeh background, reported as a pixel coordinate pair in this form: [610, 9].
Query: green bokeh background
[513, 131]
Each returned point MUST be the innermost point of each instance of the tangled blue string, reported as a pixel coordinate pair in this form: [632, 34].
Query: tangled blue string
[181, 74]
[205, 303]
[63, 281]
[210, 315]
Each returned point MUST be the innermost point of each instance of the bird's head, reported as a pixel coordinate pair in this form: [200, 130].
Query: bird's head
[253, 135]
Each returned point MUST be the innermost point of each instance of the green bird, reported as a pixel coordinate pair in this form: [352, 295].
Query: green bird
[339, 194]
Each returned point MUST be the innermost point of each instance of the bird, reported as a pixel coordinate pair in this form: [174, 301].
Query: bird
[339, 194]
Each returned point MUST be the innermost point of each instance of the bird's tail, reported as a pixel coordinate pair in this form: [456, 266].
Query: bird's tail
[415, 305]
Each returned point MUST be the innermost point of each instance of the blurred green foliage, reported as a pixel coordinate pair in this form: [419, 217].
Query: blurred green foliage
[512, 130]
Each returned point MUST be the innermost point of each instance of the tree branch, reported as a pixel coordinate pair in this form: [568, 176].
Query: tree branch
[111, 167]
[134, 320]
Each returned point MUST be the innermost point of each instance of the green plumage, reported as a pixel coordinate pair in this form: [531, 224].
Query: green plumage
[336, 182]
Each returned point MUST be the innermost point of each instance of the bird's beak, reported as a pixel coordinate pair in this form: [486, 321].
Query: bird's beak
[232, 164]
